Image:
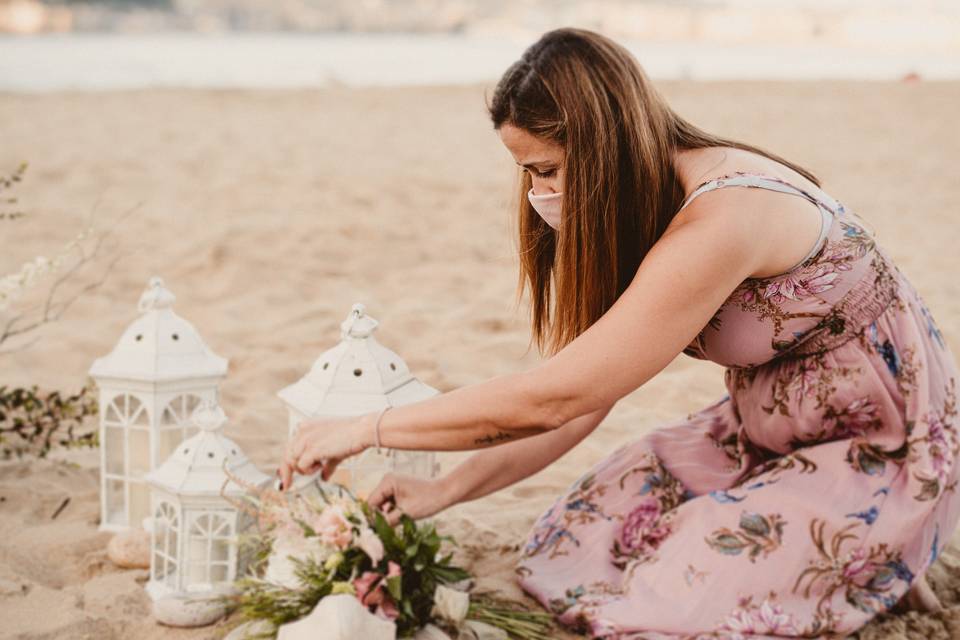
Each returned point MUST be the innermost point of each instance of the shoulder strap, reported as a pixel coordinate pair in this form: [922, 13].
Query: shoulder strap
[763, 182]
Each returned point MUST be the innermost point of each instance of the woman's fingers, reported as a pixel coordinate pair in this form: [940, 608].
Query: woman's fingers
[329, 466]
[393, 518]
[286, 475]
[384, 493]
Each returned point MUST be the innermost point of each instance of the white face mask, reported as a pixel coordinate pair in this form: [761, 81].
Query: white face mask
[547, 206]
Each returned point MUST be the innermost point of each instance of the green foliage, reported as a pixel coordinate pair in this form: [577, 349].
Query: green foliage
[511, 617]
[32, 423]
[417, 550]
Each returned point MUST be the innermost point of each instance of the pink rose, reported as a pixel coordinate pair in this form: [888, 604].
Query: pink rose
[371, 591]
[333, 528]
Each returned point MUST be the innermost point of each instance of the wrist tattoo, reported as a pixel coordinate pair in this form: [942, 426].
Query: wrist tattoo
[501, 435]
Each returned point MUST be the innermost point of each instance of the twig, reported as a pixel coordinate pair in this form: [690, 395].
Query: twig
[63, 505]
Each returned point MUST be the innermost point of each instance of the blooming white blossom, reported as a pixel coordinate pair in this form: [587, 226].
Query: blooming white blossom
[371, 545]
[451, 604]
[281, 569]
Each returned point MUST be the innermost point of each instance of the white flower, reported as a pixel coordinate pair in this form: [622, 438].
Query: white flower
[371, 545]
[281, 569]
[451, 604]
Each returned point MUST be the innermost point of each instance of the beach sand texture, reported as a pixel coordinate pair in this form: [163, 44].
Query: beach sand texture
[269, 214]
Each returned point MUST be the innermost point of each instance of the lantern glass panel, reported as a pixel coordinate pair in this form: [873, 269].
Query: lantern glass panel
[113, 412]
[209, 540]
[113, 447]
[220, 550]
[219, 573]
[138, 450]
[115, 502]
[179, 410]
[166, 529]
[139, 502]
[168, 417]
[137, 413]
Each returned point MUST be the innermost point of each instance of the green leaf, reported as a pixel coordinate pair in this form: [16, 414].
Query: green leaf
[394, 586]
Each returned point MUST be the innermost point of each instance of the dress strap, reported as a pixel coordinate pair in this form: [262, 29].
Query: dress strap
[827, 211]
[740, 178]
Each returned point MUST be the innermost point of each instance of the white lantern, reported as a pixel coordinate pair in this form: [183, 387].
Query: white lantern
[359, 375]
[194, 538]
[150, 383]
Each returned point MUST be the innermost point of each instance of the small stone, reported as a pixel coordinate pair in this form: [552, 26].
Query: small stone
[249, 630]
[188, 611]
[130, 549]
[10, 587]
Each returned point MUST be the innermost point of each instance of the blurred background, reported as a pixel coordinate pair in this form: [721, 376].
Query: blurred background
[294, 43]
[276, 162]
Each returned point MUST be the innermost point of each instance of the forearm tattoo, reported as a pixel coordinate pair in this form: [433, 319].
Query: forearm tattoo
[499, 437]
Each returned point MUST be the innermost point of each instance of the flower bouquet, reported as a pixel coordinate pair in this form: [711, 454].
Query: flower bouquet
[306, 549]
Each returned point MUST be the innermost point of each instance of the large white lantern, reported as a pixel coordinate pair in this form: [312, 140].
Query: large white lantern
[194, 546]
[359, 375]
[150, 383]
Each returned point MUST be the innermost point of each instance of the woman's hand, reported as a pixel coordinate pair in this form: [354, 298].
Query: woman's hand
[402, 494]
[321, 444]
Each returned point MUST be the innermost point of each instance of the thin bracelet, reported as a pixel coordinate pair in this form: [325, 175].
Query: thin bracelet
[376, 429]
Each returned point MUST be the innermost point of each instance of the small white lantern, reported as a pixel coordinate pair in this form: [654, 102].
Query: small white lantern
[359, 375]
[193, 540]
[150, 383]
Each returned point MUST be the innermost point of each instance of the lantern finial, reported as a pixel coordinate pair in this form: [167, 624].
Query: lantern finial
[208, 416]
[357, 324]
[156, 296]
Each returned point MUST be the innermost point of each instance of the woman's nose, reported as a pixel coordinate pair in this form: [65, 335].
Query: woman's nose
[542, 187]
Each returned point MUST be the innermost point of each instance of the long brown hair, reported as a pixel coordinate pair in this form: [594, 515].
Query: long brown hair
[585, 92]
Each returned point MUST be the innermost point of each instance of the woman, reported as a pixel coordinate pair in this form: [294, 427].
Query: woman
[811, 497]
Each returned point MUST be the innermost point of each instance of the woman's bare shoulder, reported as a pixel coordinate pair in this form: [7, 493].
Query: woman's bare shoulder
[698, 166]
[787, 224]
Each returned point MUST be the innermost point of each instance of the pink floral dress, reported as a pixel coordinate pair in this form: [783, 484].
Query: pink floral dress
[803, 502]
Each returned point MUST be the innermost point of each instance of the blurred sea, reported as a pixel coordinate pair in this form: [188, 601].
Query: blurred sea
[96, 61]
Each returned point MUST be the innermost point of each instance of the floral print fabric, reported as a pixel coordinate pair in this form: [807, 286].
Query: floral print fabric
[803, 502]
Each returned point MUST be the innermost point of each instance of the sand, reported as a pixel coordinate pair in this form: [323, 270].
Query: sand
[269, 214]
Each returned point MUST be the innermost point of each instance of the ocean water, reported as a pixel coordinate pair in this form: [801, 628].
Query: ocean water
[284, 60]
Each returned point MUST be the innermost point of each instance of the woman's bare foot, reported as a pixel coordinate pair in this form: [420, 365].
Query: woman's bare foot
[920, 597]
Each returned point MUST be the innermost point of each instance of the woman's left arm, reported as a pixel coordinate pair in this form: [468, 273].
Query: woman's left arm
[680, 284]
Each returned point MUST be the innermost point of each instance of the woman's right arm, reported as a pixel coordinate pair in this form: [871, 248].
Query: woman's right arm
[498, 467]
[484, 472]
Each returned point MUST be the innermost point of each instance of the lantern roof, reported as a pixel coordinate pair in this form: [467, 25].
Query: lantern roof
[199, 465]
[159, 345]
[356, 376]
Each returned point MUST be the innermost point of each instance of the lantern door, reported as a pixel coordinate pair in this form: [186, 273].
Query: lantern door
[165, 547]
[125, 458]
[211, 550]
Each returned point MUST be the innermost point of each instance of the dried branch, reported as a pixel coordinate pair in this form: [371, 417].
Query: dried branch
[53, 308]
[7, 182]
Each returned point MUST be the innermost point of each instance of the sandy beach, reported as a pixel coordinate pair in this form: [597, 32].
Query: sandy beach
[269, 213]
